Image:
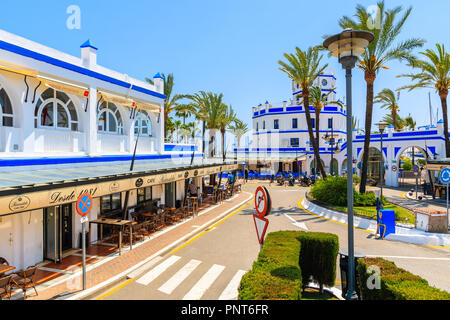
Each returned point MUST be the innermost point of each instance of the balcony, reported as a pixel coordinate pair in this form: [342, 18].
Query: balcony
[58, 141]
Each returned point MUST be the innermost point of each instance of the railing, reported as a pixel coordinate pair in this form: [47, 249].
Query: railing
[111, 143]
[58, 141]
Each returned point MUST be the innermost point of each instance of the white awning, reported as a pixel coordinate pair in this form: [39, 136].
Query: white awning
[18, 70]
[64, 86]
[114, 98]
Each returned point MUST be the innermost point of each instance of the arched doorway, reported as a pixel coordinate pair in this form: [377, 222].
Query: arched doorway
[374, 166]
[344, 167]
[313, 166]
[334, 168]
[407, 158]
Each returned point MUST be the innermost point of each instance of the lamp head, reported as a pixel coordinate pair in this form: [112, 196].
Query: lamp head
[348, 45]
[382, 125]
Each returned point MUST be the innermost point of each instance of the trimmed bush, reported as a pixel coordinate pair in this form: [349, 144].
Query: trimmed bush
[333, 190]
[276, 274]
[318, 258]
[395, 283]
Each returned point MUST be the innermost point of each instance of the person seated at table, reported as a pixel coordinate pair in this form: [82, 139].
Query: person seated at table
[192, 190]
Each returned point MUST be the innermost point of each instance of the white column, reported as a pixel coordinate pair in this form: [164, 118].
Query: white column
[90, 119]
[27, 124]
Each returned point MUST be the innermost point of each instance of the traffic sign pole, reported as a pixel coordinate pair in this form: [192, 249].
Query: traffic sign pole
[83, 207]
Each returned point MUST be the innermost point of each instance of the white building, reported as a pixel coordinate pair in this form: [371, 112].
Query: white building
[69, 126]
[281, 139]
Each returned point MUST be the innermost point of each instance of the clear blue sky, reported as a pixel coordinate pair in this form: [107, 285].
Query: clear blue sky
[223, 46]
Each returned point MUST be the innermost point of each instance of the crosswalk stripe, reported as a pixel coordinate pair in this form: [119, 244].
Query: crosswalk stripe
[154, 273]
[231, 291]
[179, 277]
[204, 283]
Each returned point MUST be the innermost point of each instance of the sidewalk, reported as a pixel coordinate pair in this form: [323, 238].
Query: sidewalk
[107, 269]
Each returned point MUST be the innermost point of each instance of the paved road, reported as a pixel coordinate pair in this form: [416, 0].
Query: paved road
[210, 266]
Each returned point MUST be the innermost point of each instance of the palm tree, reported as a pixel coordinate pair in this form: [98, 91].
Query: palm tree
[304, 67]
[389, 101]
[177, 126]
[170, 102]
[239, 129]
[318, 101]
[399, 121]
[227, 117]
[410, 123]
[434, 73]
[199, 101]
[184, 110]
[379, 52]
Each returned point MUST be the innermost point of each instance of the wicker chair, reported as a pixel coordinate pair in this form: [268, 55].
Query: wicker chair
[25, 280]
[4, 261]
[5, 287]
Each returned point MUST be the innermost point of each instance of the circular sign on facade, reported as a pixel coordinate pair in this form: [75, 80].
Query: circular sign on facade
[416, 168]
[394, 168]
[444, 176]
[84, 204]
[262, 202]
[139, 182]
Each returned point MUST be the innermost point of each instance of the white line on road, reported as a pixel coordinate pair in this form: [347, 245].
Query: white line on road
[153, 274]
[405, 257]
[231, 291]
[179, 277]
[204, 283]
[143, 268]
[300, 225]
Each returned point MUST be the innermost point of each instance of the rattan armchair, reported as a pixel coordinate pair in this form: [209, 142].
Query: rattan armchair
[24, 280]
[5, 287]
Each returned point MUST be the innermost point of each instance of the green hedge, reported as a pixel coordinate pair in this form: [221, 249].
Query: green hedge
[395, 283]
[318, 257]
[333, 190]
[276, 274]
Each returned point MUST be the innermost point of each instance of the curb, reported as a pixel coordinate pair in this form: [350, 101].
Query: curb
[402, 234]
[123, 275]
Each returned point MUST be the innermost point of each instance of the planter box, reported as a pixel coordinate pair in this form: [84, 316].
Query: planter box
[431, 221]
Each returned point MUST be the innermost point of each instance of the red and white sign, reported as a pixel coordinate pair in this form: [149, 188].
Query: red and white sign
[84, 204]
[261, 225]
[263, 204]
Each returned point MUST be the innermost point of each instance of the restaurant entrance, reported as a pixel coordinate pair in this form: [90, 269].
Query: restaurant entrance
[57, 231]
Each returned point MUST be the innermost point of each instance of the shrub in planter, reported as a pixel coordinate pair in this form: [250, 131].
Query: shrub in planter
[318, 258]
[276, 274]
[395, 283]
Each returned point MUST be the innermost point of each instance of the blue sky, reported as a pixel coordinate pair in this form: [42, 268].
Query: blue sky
[230, 46]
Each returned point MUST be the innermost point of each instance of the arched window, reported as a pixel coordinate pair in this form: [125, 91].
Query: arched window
[6, 113]
[143, 124]
[54, 109]
[109, 119]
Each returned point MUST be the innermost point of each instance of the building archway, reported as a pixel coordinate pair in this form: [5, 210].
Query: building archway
[374, 166]
[313, 166]
[406, 159]
[334, 167]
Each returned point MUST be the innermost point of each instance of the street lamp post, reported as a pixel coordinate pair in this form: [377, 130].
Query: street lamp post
[347, 46]
[381, 126]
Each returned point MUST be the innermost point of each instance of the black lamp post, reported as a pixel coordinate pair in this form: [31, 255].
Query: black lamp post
[347, 46]
[381, 126]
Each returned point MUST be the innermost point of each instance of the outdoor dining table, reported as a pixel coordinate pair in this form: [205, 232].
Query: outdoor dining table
[114, 222]
[5, 268]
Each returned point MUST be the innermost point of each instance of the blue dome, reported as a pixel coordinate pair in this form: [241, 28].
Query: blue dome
[390, 126]
[158, 76]
[440, 121]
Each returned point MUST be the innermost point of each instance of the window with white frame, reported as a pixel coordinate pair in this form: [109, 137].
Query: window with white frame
[109, 119]
[143, 124]
[55, 110]
[6, 113]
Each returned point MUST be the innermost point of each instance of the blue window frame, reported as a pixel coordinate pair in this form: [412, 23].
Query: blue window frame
[276, 124]
[313, 123]
[330, 123]
[295, 142]
[264, 125]
[294, 123]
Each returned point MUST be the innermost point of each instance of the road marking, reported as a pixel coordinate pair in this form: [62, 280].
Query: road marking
[144, 267]
[405, 257]
[115, 289]
[204, 283]
[231, 291]
[341, 223]
[179, 277]
[157, 271]
[300, 225]
[439, 247]
[211, 228]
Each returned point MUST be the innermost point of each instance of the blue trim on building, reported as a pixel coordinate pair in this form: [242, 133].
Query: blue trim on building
[414, 133]
[294, 108]
[273, 110]
[180, 148]
[296, 131]
[55, 161]
[65, 65]
[300, 112]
